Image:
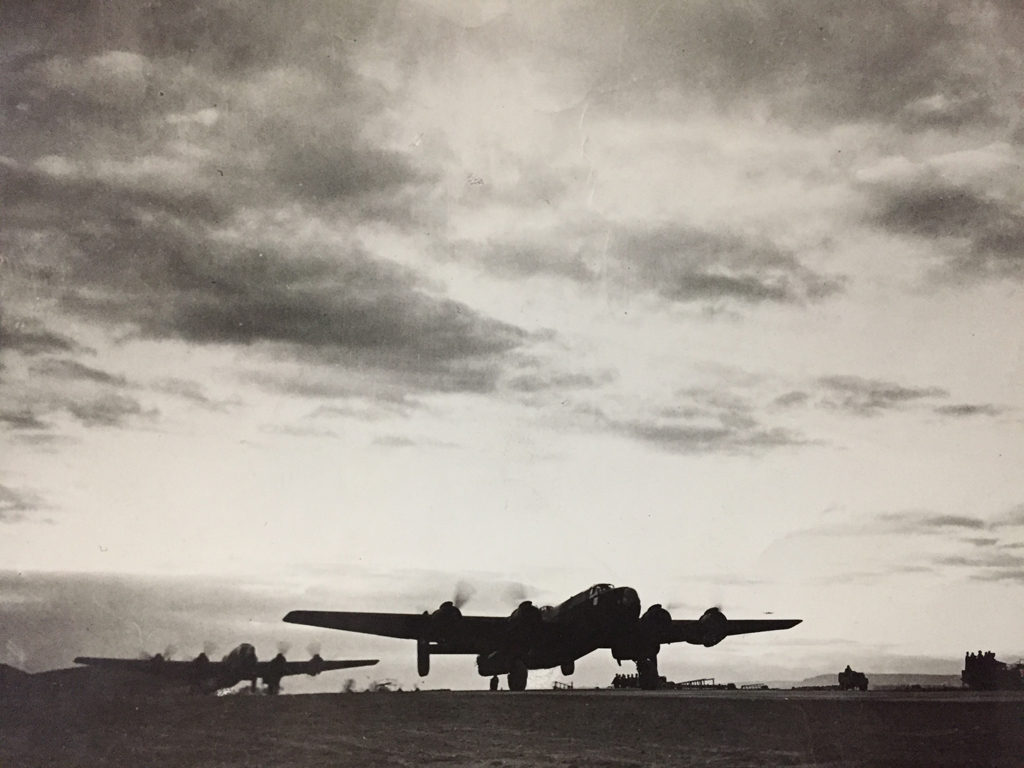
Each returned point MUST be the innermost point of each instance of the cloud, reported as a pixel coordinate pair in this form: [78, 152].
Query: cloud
[993, 229]
[31, 337]
[681, 438]
[299, 430]
[904, 523]
[677, 262]
[689, 264]
[64, 368]
[22, 419]
[982, 541]
[925, 522]
[1013, 518]
[325, 163]
[523, 258]
[107, 410]
[993, 559]
[966, 410]
[49, 385]
[825, 62]
[966, 203]
[235, 141]
[189, 390]
[404, 441]
[707, 423]
[365, 409]
[112, 79]
[151, 261]
[88, 203]
[792, 398]
[940, 110]
[542, 381]
[14, 505]
[869, 397]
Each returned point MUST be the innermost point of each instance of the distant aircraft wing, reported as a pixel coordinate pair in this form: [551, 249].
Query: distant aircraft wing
[691, 631]
[161, 667]
[314, 667]
[467, 634]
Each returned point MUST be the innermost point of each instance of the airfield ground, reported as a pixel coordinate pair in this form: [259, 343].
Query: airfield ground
[577, 728]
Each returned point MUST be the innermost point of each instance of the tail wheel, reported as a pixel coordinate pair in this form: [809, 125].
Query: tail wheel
[494, 683]
[517, 675]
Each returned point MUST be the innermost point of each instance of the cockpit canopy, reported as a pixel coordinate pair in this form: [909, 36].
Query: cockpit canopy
[597, 589]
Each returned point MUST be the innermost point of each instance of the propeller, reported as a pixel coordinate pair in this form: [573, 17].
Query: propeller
[313, 649]
[463, 592]
[283, 646]
[209, 647]
[516, 592]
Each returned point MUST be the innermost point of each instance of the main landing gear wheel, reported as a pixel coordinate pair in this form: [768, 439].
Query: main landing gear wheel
[494, 683]
[568, 667]
[517, 676]
[647, 673]
[423, 658]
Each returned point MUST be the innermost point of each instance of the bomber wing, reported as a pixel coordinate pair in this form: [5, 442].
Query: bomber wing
[156, 666]
[694, 631]
[464, 634]
[314, 667]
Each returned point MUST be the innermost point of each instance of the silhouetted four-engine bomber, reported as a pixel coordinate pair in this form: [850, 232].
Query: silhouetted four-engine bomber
[543, 638]
[241, 664]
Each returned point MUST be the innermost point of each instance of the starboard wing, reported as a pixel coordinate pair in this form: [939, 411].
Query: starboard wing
[314, 667]
[690, 630]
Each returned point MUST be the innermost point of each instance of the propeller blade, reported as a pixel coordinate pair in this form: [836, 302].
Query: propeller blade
[516, 593]
[463, 592]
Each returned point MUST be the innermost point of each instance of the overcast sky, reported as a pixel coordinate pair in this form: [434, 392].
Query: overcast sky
[331, 305]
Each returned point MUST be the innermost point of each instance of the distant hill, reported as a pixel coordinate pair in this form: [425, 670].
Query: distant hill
[887, 680]
[79, 682]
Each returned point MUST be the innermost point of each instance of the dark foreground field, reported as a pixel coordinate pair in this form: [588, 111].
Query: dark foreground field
[527, 729]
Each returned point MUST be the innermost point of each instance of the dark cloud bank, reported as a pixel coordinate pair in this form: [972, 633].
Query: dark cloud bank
[171, 127]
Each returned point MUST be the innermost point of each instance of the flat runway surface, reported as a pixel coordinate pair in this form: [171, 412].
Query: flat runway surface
[577, 728]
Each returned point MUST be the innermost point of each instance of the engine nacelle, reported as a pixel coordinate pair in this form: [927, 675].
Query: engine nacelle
[645, 643]
[524, 623]
[712, 627]
[656, 622]
[443, 620]
[316, 664]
